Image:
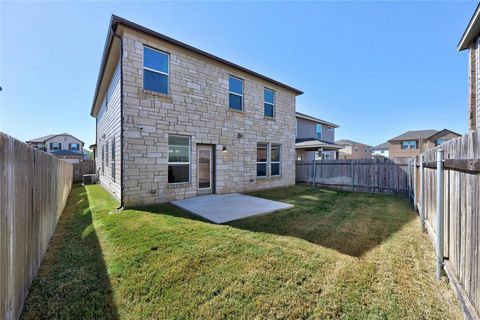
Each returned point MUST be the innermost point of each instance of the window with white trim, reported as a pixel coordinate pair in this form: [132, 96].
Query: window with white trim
[178, 159]
[55, 146]
[262, 159]
[318, 131]
[74, 146]
[268, 103]
[155, 70]
[409, 144]
[275, 160]
[235, 93]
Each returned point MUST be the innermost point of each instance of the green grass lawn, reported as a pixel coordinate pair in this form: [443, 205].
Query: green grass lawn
[335, 255]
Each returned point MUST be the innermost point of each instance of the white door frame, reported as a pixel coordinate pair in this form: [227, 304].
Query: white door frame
[210, 188]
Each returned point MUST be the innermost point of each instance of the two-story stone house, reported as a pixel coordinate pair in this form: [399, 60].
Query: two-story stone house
[63, 146]
[471, 41]
[414, 142]
[315, 138]
[174, 122]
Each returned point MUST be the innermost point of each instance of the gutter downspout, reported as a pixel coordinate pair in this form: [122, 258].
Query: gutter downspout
[114, 28]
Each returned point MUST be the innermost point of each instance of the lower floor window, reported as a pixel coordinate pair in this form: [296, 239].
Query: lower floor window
[178, 159]
[275, 160]
[268, 159]
[262, 150]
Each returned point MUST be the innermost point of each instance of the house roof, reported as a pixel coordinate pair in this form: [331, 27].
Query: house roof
[384, 145]
[66, 153]
[306, 116]
[471, 32]
[345, 142]
[115, 21]
[315, 143]
[415, 135]
[50, 136]
[443, 131]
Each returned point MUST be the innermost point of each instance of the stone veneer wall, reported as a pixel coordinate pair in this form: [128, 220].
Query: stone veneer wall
[197, 106]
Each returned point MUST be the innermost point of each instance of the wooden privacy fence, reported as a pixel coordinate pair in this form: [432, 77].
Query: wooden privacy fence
[33, 190]
[363, 175]
[81, 168]
[458, 203]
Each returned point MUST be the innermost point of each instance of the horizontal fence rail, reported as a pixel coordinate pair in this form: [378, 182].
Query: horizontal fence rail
[34, 187]
[459, 212]
[363, 175]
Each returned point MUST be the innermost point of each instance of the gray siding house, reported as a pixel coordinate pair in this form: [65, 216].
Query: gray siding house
[315, 138]
[174, 122]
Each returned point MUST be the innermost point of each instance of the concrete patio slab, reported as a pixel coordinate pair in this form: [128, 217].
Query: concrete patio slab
[221, 208]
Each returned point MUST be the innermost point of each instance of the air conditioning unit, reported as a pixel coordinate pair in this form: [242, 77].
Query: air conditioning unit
[89, 178]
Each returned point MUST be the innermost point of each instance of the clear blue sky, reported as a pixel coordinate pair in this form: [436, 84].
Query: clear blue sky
[375, 68]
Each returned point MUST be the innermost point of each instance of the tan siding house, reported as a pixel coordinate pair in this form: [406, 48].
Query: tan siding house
[187, 122]
[354, 150]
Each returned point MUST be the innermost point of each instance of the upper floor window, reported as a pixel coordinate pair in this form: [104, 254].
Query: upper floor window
[269, 102]
[155, 70]
[318, 131]
[409, 144]
[178, 159]
[74, 146]
[235, 93]
[440, 141]
[55, 146]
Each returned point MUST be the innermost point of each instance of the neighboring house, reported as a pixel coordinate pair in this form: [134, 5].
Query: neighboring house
[412, 143]
[63, 146]
[354, 150]
[471, 41]
[315, 138]
[381, 150]
[174, 122]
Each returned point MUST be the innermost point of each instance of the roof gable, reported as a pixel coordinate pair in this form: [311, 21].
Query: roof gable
[414, 135]
[307, 117]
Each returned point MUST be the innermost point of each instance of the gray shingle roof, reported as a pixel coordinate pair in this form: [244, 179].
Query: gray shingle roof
[315, 143]
[49, 136]
[384, 145]
[306, 116]
[345, 142]
[415, 135]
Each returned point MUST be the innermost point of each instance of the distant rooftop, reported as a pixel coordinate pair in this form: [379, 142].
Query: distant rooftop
[345, 142]
[306, 116]
[415, 135]
[384, 145]
[50, 136]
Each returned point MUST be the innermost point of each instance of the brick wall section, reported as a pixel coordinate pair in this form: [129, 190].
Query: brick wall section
[197, 106]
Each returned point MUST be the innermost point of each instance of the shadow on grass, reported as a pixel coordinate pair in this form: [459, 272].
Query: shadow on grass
[350, 223]
[73, 281]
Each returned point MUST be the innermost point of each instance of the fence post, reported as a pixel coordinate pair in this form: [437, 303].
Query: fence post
[415, 183]
[314, 173]
[422, 201]
[352, 174]
[439, 229]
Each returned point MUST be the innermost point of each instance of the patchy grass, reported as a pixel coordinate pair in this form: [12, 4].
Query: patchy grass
[336, 255]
